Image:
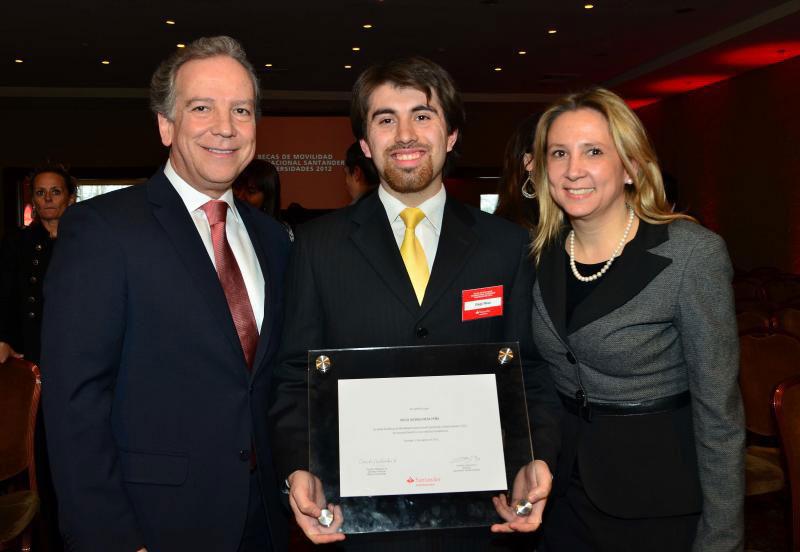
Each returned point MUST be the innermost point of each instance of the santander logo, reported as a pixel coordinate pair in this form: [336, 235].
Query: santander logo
[410, 480]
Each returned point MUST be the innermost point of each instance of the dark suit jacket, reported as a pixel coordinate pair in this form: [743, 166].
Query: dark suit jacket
[149, 406]
[24, 258]
[659, 323]
[348, 287]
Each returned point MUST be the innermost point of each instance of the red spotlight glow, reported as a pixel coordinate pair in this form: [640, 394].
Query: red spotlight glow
[636, 103]
[759, 55]
[685, 83]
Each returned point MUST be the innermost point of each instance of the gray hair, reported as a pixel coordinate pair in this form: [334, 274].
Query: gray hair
[162, 85]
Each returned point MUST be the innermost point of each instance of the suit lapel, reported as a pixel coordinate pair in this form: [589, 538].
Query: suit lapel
[267, 324]
[632, 272]
[456, 241]
[553, 285]
[171, 213]
[372, 235]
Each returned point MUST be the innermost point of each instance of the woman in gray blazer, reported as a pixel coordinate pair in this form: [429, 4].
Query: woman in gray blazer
[633, 312]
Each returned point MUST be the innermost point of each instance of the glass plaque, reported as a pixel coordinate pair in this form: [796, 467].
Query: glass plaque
[413, 438]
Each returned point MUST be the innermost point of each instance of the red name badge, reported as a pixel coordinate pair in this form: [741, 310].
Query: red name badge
[481, 303]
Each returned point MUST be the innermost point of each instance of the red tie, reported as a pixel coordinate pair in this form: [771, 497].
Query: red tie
[232, 282]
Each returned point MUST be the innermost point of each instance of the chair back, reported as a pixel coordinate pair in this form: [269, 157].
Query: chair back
[782, 289]
[20, 388]
[787, 320]
[753, 322]
[765, 361]
[786, 404]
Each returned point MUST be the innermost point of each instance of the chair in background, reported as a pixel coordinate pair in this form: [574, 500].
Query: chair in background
[754, 322]
[20, 388]
[786, 405]
[748, 291]
[781, 290]
[787, 320]
[765, 361]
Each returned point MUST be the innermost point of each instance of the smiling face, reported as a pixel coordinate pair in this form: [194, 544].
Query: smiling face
[587, 178]
[212, 135]
[50, 196]
[407, 139]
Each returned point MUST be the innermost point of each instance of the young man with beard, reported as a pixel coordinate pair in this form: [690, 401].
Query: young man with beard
[390, 271]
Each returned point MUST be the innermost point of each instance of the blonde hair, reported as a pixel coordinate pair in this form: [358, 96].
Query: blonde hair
[646, 193]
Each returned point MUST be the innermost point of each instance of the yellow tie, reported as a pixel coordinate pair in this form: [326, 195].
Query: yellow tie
[412, 252]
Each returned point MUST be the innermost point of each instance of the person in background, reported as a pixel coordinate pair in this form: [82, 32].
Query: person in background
[360, 177]
[517, 198]
[260, 186]
[633, 312]
[24, 260]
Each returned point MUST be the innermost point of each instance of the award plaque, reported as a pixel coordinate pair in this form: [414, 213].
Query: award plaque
[413, 438]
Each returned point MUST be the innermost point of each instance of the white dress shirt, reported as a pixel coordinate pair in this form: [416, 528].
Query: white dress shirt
[235, 231]
[428, 229]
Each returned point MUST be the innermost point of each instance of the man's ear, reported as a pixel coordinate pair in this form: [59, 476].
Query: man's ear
[451, 140]
[165, 129]
[365, 148]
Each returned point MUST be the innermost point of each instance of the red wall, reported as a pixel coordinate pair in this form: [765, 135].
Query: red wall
[734, 148]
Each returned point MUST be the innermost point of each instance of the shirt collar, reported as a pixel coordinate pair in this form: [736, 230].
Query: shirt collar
[192, 198]
[433, 207]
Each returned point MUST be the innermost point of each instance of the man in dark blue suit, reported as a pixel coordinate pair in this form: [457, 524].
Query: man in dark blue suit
[162, 317]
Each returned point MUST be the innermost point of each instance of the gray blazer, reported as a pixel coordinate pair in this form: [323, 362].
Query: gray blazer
[658, 324]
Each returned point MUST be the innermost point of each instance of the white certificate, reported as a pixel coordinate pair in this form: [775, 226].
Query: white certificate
[415, 435]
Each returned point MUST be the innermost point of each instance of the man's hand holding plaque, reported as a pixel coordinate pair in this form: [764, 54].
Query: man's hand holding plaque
[532, 485]
[307, 499]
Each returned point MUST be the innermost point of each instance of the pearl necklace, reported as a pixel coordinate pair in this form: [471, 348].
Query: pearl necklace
[614, 255]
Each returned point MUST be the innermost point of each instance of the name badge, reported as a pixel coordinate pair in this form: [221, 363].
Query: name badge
[481, 303]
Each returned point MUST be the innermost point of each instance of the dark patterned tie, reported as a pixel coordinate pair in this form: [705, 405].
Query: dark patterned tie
[232, 282]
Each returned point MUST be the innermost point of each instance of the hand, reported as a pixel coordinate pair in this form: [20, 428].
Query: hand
[6, 351]
[307, 499]
[533, 482]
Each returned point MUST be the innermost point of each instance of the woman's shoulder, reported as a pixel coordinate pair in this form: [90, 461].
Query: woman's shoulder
[688, 233]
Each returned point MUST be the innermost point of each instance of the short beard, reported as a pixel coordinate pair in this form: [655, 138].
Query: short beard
[408, 181]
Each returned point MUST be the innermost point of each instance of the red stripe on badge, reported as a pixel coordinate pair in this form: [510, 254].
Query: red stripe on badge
[481, 303]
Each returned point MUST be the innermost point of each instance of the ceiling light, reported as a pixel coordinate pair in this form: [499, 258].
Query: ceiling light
[551, 31]
[17, 61]
[356, 49]
[588, 6]
[522, 52]
[105, 62]
[348, 66]
[181, 45]
[498, 69]
[267, 65]
[367, 25]
[169, 22]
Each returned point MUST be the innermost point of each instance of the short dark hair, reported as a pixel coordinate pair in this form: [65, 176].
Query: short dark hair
[415, 72]
[69, 181]
[355, 158]
[162, 84]
[263, 176]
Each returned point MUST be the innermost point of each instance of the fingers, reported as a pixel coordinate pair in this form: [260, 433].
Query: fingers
[307, 498]
[534, 482]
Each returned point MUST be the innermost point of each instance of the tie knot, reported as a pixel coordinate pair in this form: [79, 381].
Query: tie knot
[411, 217]
[216, 211]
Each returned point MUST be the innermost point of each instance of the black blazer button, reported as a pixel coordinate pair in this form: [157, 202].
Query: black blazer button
[35, 262]
[31, 299]
[422, 332]
[33, 279]
[38, 247]
[31, 315]
[244, 455]
[571, 358]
